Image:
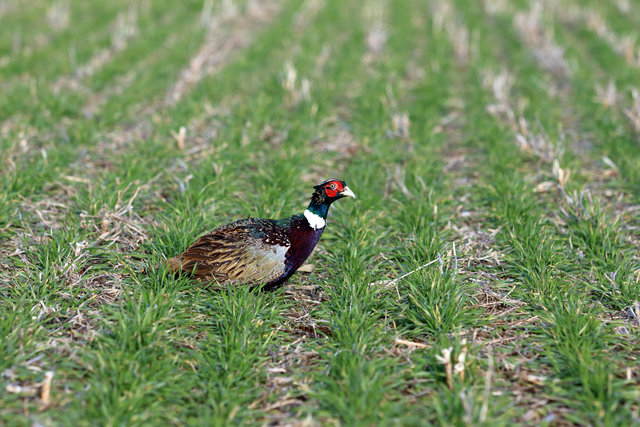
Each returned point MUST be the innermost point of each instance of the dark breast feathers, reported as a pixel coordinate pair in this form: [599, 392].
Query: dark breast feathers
[248, 251]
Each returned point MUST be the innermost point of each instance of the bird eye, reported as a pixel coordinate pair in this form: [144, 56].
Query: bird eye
[333, 186]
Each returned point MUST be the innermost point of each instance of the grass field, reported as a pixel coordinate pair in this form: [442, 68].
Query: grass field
[487, 274]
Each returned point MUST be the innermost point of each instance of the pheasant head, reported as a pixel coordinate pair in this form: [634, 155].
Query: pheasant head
[324, 195]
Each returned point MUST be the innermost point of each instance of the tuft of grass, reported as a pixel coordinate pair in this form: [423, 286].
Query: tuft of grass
[435, 303]
[241, 330]
[51, 274]
[127, 373]
[575, 349]
[356, 390]
[599, 242]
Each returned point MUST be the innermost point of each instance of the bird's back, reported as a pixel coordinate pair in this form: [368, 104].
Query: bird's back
[245, 251]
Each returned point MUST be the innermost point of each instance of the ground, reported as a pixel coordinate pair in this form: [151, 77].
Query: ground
[487, 274]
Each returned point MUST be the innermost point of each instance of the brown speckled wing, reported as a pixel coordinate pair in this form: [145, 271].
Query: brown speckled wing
[243, 252]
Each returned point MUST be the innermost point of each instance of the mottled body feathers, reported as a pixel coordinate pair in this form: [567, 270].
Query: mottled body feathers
[245, 251]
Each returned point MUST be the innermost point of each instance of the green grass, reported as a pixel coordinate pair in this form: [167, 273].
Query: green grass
[475, 281]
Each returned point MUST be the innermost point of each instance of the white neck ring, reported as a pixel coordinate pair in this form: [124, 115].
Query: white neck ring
[315, 221]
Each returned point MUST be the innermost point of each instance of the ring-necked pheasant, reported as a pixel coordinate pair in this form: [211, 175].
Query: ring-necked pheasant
[254, 251]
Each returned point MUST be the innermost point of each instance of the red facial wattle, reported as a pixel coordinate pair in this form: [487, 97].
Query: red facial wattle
[333, 188]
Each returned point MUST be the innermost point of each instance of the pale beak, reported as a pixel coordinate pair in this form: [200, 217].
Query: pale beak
[347, 192]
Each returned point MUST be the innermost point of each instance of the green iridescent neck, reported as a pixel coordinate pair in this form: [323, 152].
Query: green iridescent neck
[319, 209]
